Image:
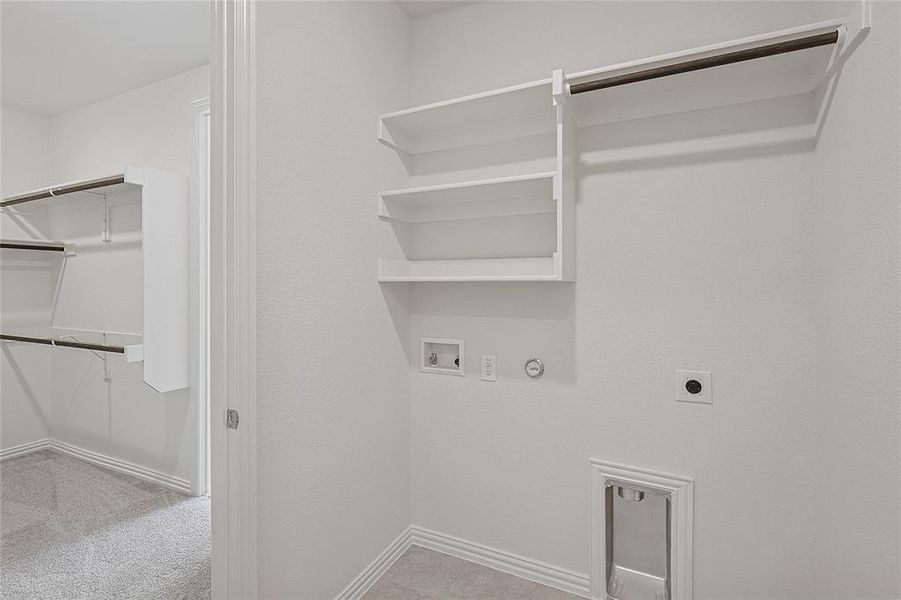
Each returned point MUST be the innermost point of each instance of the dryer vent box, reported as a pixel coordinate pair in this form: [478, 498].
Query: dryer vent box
[637, 542]
[641, 534]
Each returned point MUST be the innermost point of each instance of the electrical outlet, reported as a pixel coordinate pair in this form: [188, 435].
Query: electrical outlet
[694, 386]
[489, 367]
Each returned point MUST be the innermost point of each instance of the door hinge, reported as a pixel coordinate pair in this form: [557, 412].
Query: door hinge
[231, 419]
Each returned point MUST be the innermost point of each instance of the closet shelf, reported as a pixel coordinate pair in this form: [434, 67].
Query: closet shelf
[703, 78]
[39, 245]
[790, 63]
[105, 185]
[133, 353]
[502, 196]
[731, 72]
[510, 112]
[473, 269]
[157, 246]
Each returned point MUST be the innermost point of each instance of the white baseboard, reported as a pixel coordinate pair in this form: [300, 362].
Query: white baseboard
[376, 568]
[533, 570]
[100, 460]
[121, 466]
[23, 449]
[527, 568]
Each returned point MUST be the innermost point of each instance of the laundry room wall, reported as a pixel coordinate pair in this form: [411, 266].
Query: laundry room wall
[858, 312]
[333, 386]
[693, 252]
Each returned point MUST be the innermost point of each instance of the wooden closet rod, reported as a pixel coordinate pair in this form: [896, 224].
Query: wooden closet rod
[813, 41]
[64, 343]
[64, 189]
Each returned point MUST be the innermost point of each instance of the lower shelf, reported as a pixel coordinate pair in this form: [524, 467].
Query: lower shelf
[474, 269]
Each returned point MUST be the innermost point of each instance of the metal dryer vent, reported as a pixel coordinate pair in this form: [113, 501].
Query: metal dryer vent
[638, 543]
[641, 534]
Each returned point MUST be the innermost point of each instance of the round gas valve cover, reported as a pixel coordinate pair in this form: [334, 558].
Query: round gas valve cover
[534, 368]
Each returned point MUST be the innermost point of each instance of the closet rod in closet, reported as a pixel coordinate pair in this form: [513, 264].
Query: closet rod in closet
[27, 246]
[82, 186]
[63, 343]
[708, 62]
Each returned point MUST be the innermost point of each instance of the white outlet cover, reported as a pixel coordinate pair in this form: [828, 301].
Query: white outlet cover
[488, 374]
[705, 396]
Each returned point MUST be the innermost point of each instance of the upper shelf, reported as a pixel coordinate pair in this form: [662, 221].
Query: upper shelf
[506, 113]
[528, 109]
[786, 74]
[502, 196]
[104, 185]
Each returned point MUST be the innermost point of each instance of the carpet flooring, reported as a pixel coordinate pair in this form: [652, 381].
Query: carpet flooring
[70, 530]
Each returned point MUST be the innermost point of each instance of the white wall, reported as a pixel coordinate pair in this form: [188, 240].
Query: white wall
[710, 257]
[25, 389]
[695, 260]
[25, 282]
[150, 126]
[25, 151]
[858, 383]
[333, 397]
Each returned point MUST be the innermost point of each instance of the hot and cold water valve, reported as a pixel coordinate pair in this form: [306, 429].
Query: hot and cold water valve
[441, 355]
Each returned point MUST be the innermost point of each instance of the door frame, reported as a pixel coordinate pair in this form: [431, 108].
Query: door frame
[233, 300]
[200, 244]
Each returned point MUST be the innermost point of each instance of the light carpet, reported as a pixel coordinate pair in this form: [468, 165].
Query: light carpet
[71, 530]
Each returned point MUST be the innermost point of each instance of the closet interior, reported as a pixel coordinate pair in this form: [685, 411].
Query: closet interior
[104, 426]
[116, 250]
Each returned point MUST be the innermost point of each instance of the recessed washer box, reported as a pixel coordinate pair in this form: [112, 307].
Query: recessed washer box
[441, 355]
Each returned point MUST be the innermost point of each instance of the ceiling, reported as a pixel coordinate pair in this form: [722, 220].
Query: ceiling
[420, 8]
[60, 55]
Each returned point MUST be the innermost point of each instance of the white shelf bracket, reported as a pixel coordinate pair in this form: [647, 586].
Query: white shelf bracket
[851, 34]
[105, 234]
[105, 358]
[561, 97]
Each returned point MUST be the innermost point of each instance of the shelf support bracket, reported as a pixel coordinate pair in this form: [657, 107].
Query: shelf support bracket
[105, 235]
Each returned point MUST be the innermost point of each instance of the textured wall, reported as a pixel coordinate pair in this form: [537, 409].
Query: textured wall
[698, 259]
[858, 317]
[25, 151]
[333, 402]
[25, 282]
[152, 126]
